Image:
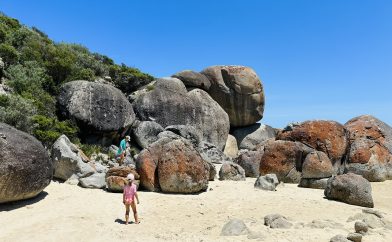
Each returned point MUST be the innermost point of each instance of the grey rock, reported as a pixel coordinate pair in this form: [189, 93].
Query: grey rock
[193, 79]
[169, 103]
[234, 227]
[361, 227]
[250, 137]
[313, 183]
[250, 161]
[350, 188]
[25, 167]
[67, 161]
[371, 220]
[188, 132]
[100, 168]
[371, 172]
[212, 154]
[100, 110]
[277, 221]
[212, 171]
[239, 91]
[169, 135]
[339, 238]
[267, 182]
[146, 133]
[231, 147]
[355, 237]
[231, 171]
[96, 180]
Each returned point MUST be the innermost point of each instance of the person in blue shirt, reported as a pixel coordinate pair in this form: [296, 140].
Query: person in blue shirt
[122, 149]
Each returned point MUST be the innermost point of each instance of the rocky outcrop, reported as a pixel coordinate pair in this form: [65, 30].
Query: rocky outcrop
[193, 79]
[252, 136]
[168, 103]
[188, 132]
[67, 162]
[25, 167]
[231, 147]
[329, 137]
[231, 171]
[250, 161]
[172, 166]
[284, 158]
[96, 180]
[239, 91]
[100, 110]
[370, 153]
[212, 154]
[350, 188]
[146, 133]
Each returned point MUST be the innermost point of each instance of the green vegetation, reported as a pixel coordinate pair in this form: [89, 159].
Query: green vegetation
[35, 67]
[89, 149]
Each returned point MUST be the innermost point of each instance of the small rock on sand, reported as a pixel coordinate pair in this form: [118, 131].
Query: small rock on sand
[277, 221]
[234, 227]
[339, 238]
[361, 227]
[355, 237]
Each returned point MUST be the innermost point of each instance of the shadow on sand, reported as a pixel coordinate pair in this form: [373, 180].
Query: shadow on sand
[120, 221]
[19, 204]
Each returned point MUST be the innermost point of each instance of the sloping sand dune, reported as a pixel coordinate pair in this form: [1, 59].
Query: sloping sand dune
[71, 213]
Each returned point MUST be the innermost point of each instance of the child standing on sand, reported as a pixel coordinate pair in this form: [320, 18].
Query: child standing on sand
[129, 196]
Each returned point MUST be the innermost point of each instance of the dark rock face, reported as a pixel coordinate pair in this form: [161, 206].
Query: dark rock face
[187, 132]
[370, 148]
[100, 110]
[25, 167]
[146, 133]
[169, 103]
[350, 188]
[239, 91]
[231, 171]
[212, 154]
[193, 79]
[252, 136]
[172, 166]
[250, 161]
[326, 136]
[284, 158]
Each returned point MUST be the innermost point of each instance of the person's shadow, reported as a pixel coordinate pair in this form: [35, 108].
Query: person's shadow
[120, 221]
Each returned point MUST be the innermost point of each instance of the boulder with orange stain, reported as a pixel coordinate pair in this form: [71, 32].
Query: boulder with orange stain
[370, 153]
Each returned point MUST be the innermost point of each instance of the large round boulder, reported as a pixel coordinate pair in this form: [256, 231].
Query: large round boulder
[327, 136]
[181, 169]
[172, 166]
[167, 102]
[25, 167]
[370, 153]
[193, 79]
[350, 188]
[252, 136]
[239, 91]
[285, 159]
[101, 111]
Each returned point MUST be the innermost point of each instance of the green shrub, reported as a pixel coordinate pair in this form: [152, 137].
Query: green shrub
[8, 53]
[89, 149]
[48, 130]
[17, 111]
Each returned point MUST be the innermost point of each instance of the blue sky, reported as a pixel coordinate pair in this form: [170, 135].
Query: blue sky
[317, 59]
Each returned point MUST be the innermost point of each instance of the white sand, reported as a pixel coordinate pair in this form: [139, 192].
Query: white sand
[71, 213]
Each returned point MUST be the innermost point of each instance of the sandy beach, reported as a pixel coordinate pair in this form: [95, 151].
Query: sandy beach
[70, 213]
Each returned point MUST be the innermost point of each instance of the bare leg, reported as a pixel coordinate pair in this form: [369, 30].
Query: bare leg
[126, 213]
[122, 157]
[133, 205]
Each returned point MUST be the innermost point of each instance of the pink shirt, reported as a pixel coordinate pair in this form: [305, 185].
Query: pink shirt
[129, 192]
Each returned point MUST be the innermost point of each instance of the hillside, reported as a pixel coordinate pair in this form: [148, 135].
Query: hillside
[33, 67]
